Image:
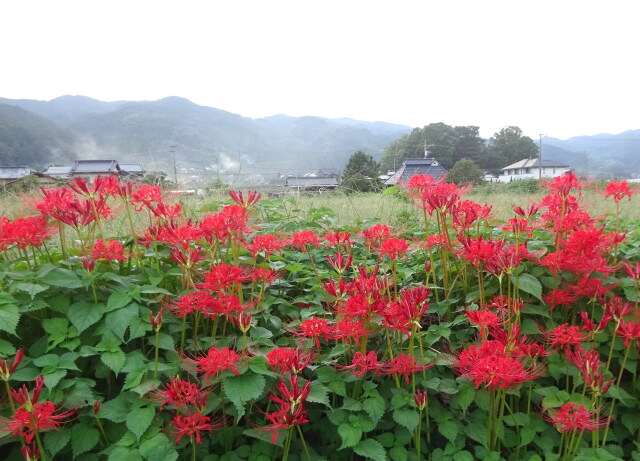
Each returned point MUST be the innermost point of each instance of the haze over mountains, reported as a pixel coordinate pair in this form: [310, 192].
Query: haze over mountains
[40, 133]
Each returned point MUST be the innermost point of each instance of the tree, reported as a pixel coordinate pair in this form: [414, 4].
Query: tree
[361, 174]
[508, 146]
[465, 171]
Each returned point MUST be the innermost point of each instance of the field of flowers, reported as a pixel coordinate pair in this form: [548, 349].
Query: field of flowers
[131, 329]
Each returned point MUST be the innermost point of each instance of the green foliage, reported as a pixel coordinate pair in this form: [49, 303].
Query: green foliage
[361, 174]
[465, 171]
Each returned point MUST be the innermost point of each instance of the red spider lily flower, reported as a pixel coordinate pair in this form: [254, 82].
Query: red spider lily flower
[526, 212]
[405, 365]
[315, 328]
[156, 320]
[467, 213]
[574, 417]
[303, 238]
[616, 309]
[96, 407]
[588, 363]
[564, 336]
[262, 274]
[485, 319]
[88, 264]
[394, 248]
[286, 359]
[478, 250]
[442, 197]
[217, 361]
[191, 425]
[253, 197]
[223, 276]
[21, 396]
[164, 211]
[35, 417]
[488, 364]
[505, 304]
[586, 251]
[362, 306]
[591, 287]
[413, 303]
[587, 324]
[186, 257]
[179, 235]
[364, 363]
[506, 259]
[199, 301]
[179, 393]
[419, 182]
[559, 297]
[632, 271]
[373, 235]
[291, 394]
[341, 240]
[519, 226]
[337, 291]
[630, 331]
[146, 195]
[563, 185]
[24, 232]
[267, 243]
[350, 330]
[339, 263]
[243, 320]
[437, 240]
[619, 190]
[8, 367]
[30, 452]
[285, 417]
[109, 250]
[420, 398]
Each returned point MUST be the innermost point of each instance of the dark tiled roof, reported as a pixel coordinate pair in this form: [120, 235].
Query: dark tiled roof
[95, 166]
[311, 182]
[415, 166]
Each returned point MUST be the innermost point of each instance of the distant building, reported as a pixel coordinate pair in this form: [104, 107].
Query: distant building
[415, 166]
[531, 169]
[132, 171]
[9, 174]
[59, 172]
[311, 183]
[491, 177]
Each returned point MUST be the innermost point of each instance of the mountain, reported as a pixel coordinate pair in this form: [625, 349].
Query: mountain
[205, 137]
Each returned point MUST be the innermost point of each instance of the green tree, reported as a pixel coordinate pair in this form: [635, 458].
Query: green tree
[465, 171]
[509, 145]
[468, 144]
[361, 174]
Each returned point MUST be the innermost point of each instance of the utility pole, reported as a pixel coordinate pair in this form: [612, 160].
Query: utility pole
[540, 158]
[175, 168]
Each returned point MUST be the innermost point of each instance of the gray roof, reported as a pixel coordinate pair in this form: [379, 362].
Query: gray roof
[415, 166]
[14, 172]
[95, 166]
[311, 182]
[57, 171]
[535, 163]
[132, 167]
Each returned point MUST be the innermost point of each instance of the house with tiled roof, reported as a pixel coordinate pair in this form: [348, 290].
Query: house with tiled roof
[415, 166]
[532, 168]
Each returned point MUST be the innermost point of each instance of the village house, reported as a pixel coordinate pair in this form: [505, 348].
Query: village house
[416, 166]
[9, 174]
[531, 169]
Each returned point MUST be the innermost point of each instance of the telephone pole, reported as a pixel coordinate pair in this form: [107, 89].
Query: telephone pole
[540, 158]
[175, 168]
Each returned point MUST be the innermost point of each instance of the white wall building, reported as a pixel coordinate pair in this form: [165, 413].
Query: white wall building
[530, 169]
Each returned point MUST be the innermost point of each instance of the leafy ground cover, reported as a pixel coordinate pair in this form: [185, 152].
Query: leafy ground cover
[132, 332]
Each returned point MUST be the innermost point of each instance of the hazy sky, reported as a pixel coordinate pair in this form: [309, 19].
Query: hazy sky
[563, 68]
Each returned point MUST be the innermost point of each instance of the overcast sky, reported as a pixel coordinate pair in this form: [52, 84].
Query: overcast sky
[563, 68]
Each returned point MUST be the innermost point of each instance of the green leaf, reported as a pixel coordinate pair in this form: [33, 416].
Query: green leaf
[57, 440]
[371, 448]
[375, 407]
[125, 454]
[139, 419]
[463, 455]
[9, 317]
[52, 378]
[318, 393]
[63, 278]
[116, 410]
[398, 453]
[406, 417]
[240, 389]
[114, 359]
[31, 288]
[349, 434]
[529, 284]
[119, 320]
[478, 432]
[83, 438]
[83, 314]
[449, 429]
[6, 348]
[527, 435]
[118, 300]
[465, 397]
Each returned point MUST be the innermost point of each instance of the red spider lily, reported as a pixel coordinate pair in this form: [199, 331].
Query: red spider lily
[291, 394]
[217, 361]
[261, 274]
[253, 197]
[364, 363]
[30, 452]
[559, 297]
[156, 320]
[413, 303]
[200, 301]
[563, 185]
[8, 367]
[109, 250]
[179, 235]
[586, 251]
[35, 417]
[519, 226]
[619, 190]
[303, 238]
[420, 398]
[506, 259]
[394, 248]
[286, 359]
[503, 303]
[23, 232]
[588, 363]
[350, 330]
[146, 195]
[186, 257]
[630, 331]
[337, 291]
[419, 182]
[223, 276]
[574, 417]
[96, 407]
[191, 425]
[526, 212]
[315, 328]
[373, 235]
[361, 306]
[231, 223]
[587, 324]
[21, 396]
[284, 418]
[478, 250]
[485, 319]
[267, 243]
[437, 240]
[405, 365]
[564, 336]
[243, 320]
[179, 393]
[441, 197]
[341, 240]
[339, 263]
[467, 213]
[591, 287]
[616, 309]
[164, 211]
[488, 364]
[632, 271]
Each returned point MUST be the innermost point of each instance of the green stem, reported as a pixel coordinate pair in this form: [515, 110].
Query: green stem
[155, 361]
[304, 444]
